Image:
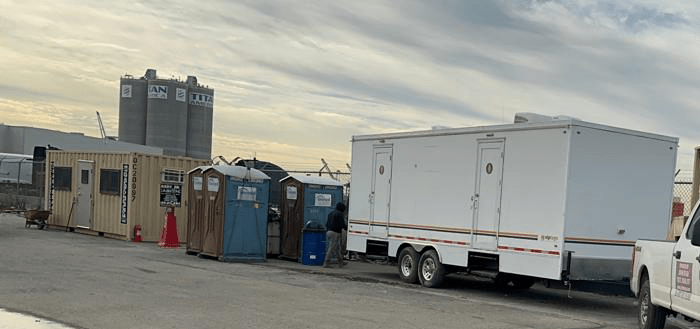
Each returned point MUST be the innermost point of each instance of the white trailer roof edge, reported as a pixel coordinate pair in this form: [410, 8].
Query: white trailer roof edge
[514, 127]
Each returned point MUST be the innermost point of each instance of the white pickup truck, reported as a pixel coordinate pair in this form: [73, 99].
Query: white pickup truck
[666, 276]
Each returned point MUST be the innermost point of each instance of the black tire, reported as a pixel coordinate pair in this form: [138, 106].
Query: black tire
[408, 265]
[650, 315]
[430, 271]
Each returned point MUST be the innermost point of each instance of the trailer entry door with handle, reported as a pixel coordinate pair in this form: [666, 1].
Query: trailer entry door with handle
[380, 196]
[486, 200]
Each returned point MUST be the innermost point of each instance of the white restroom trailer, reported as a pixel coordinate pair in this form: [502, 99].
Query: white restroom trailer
[556, 199]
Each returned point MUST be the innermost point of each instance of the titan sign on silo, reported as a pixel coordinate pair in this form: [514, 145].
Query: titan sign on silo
[166, 120]
[200, 111]
[132, 110]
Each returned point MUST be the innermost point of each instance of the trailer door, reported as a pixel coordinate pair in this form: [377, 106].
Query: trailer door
[487, 196]
[380, 196]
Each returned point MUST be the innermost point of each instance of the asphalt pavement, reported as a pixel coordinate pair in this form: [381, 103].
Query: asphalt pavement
[95, 282]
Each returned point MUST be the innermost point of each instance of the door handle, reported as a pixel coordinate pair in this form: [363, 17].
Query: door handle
[677, 254]
[698, 258]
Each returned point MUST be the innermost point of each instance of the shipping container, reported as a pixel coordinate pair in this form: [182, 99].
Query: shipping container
[306, 203]
[110, 193]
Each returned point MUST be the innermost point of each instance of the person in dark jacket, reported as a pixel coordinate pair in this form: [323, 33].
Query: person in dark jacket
[334, 227]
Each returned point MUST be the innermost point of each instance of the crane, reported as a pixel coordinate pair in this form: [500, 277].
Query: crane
[102, 127]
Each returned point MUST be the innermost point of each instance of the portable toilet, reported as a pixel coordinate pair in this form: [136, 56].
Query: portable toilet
[197, 203]
[307, 201]
[234, 223]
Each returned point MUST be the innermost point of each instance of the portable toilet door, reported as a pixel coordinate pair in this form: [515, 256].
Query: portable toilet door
[197, 207]
[245, 226]
[292, 213]
[320, 201]
[213, 223]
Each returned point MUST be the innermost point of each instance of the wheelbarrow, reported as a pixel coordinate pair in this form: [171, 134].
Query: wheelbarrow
[36, 217]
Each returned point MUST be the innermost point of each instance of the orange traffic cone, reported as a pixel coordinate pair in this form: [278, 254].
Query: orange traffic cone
[169, 237]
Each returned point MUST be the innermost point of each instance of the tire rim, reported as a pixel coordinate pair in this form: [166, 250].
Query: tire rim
[428, 269]
[406, 265]
[644, 308]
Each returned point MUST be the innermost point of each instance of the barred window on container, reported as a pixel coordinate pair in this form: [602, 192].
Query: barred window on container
[62, 178]
[110, 181]
[172, 176]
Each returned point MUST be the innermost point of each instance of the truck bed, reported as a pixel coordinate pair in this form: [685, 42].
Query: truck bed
[654, 258]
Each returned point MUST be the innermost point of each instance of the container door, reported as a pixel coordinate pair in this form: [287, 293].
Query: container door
[486, 201]
[83, 212]
[380, 196]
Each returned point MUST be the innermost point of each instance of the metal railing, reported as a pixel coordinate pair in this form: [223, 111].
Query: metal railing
[21, 183]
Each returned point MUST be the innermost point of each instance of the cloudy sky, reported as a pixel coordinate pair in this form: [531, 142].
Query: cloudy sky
[294, 80]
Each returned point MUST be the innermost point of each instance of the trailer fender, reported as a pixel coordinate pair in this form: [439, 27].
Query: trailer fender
[418, 247]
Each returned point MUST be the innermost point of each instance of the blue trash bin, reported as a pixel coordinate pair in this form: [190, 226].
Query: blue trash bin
[313, 247]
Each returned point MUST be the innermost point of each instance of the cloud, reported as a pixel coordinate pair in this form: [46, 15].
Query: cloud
[295, 80]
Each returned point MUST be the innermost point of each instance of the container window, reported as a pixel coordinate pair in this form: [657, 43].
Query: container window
[62, 178]
[110, 181]
[172, 176]
[85, 176]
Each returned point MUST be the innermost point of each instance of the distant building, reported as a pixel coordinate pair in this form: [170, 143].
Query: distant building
[22, 140]
[22, 155]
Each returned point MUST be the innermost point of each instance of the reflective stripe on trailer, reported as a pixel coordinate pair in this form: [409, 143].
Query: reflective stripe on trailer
[531, 251]
[459, 243]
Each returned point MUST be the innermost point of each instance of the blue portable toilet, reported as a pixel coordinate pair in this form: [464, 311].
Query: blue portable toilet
[235, 227]
[306, 203]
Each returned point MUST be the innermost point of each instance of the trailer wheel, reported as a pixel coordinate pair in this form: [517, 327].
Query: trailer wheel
[430, 271]
[650, 315]
[408, 265]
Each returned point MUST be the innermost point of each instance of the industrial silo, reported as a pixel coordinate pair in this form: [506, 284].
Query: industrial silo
[132, 110]
[200, 110]
[166, 120]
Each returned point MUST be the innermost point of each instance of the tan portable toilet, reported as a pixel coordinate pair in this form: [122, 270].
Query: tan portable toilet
[197, 191]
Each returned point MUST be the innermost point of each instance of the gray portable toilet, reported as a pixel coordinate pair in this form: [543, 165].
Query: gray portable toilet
[306, 203]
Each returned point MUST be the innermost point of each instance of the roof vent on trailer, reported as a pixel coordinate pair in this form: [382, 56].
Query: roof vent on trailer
[527, 117]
